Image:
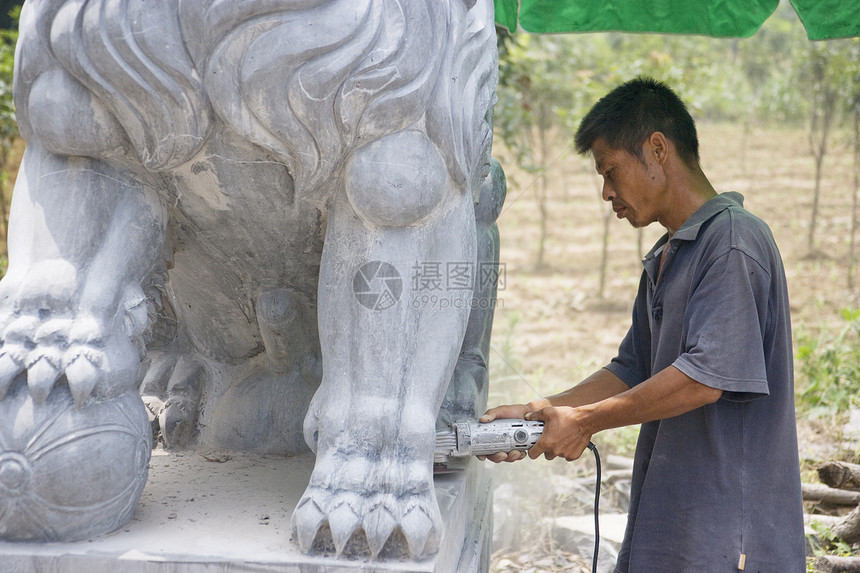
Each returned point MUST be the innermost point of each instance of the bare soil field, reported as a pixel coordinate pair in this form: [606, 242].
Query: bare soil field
[551, 326]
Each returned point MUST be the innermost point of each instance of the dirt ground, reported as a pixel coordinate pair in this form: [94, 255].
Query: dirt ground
[552, 327]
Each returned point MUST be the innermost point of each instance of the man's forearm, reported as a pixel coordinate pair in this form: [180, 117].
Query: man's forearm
[667, 394]
[568, 430]
[599, 386]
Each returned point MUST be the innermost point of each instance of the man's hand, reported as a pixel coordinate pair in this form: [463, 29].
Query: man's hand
[563, 433]
[506, 412]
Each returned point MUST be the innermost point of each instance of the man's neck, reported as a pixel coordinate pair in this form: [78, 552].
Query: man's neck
[689, 191]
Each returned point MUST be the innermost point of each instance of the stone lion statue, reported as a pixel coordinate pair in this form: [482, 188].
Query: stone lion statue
[232, 208]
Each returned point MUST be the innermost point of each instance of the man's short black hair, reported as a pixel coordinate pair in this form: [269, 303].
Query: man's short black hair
[629, 114]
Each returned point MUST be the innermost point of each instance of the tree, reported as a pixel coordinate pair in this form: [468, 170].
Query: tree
[547, 83]
[827, 71]
[823, 108]
[767, 60]
[8, 123]
[852, 78]
[534, 91]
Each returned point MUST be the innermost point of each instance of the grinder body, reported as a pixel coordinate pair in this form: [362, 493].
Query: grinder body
[473, 438]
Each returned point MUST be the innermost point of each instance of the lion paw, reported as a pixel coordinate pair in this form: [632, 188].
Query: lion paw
[344, 513]
[171, 387]
[94, 358]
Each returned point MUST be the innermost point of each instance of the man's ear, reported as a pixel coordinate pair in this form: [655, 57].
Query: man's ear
[658, 147]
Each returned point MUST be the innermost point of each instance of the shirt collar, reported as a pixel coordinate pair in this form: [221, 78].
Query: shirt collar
[690, 229]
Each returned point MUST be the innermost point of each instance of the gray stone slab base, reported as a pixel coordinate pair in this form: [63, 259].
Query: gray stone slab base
[230, 513]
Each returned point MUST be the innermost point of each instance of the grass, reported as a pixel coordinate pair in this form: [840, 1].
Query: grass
[824, 542]
[828, 367]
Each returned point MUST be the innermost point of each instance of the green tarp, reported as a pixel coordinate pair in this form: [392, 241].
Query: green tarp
[823, 19]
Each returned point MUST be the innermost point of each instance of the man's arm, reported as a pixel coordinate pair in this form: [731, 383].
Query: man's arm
[599, 386]
[568, 430]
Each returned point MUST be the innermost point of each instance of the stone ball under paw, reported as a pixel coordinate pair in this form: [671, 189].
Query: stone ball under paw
[70, 473]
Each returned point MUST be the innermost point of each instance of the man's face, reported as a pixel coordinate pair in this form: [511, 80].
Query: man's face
[635, 188]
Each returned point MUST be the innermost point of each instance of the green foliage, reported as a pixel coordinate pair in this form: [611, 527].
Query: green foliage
[824, 542]
[765, 77]
[534, 92]
[620, 441]
[769, 60]
[830, 72]
[8, 124]
[828, 368]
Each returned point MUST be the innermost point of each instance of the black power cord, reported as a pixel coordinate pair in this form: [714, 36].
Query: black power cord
[593, 449]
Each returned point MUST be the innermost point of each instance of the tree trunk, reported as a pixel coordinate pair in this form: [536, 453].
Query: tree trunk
[541, 200]
[823, 110]
[852, 260]
[604, 247]
[604, 252]
[542, 191]
[4, 202]
[810, 240]
[840, 475]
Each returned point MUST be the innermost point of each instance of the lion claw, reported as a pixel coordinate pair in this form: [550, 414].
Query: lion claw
[9, 369]
[420, 531]
[343, 522]
[41, 377]
[307, 520]
[378, 526]
[82, 375]
[351, 524]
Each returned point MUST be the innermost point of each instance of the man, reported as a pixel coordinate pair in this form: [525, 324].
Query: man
[706, 366]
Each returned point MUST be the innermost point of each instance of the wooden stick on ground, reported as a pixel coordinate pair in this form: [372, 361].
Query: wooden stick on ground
[832, 564]
[829, 495]
[848, 529]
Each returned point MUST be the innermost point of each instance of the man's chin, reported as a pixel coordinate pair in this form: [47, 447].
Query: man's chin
[636, 224]
[631, 218]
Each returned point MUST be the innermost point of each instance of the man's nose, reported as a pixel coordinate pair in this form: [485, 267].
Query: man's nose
[608, 192]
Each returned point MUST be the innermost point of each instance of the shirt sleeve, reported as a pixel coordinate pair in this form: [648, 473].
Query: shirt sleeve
[633, 363]
[724, 328]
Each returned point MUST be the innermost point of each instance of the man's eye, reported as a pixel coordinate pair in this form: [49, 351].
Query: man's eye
[608, 173]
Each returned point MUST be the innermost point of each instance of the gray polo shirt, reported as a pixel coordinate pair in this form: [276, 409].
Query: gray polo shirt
[720, 484]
